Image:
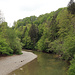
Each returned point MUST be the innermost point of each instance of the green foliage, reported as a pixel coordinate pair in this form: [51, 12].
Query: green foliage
[41, 44]
[64, 23]
[51, 32]
[33, 33]
[71, 70]
[4, 48]
[9, 43]
[13, 41]
[55, 46]
[69, 46]
[27, 43]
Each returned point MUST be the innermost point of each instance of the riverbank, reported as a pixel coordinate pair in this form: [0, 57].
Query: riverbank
[45, 64]
[11, 63]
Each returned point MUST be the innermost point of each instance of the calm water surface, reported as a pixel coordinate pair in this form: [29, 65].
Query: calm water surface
[45, 64]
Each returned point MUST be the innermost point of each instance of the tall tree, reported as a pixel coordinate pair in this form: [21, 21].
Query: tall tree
[33, 33]
[71, 2]
[71, 7]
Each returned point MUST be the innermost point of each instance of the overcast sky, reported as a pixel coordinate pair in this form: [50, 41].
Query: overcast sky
[18, 9]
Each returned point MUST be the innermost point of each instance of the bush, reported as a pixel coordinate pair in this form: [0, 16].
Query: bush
[4, 48]
[71, 70]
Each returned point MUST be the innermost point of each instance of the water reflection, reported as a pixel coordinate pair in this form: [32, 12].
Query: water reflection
[45, 64]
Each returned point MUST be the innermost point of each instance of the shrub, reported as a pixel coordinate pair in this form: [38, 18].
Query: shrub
[4, 48]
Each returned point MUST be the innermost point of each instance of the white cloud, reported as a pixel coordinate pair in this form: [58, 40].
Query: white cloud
[18, 9]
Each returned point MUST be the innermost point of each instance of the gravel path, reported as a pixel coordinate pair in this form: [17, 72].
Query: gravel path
[11, 63]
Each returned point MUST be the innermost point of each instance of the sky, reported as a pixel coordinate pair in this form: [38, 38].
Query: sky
[14, 10]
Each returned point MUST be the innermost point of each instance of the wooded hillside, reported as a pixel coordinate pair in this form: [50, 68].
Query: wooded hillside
[51, 32]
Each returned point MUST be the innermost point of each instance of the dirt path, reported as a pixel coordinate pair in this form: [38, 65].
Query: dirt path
[11, 63]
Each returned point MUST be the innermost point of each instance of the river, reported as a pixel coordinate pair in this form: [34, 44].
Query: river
[45, 64]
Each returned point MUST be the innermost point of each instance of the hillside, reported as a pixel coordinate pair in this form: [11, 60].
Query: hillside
[52, 32]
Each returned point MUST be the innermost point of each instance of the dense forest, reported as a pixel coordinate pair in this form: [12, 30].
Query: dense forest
[51, 32]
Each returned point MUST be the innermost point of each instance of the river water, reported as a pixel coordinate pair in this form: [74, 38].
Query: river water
[45, 64]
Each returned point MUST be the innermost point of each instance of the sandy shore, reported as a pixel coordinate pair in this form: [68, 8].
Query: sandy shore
[11, 63]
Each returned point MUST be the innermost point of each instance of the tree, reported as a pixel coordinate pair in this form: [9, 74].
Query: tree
[13, 41]
[71, 7]
[23, 34]
[9, 42]
[71, 2]
[33, 33]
